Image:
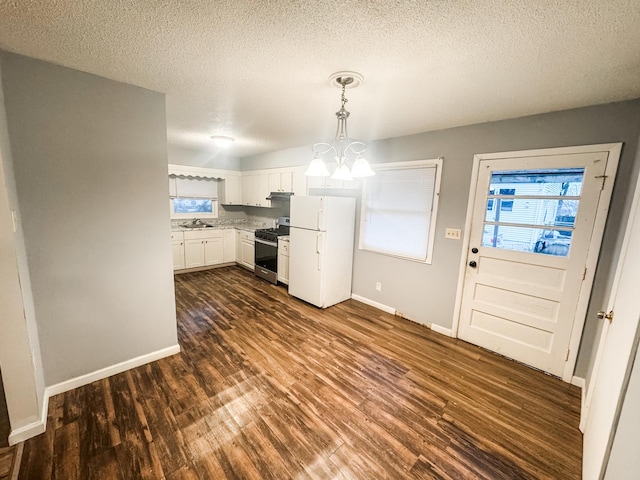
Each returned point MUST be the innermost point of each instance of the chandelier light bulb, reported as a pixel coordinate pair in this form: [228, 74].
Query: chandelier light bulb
[317, 168]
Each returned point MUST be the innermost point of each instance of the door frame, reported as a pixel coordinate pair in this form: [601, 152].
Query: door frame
[613, 155]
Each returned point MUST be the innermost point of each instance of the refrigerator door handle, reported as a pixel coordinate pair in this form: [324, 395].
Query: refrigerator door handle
[319, 248]
[320, 217]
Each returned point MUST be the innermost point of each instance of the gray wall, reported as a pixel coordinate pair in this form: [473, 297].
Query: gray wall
[210, 158]
[20, 358]
[426, 293]
[90, 165]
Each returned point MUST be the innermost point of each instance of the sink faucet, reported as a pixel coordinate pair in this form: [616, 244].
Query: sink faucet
[195, 221]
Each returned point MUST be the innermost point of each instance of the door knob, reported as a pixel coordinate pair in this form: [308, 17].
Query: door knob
[602, 314]
[473, 264]
[474, 250]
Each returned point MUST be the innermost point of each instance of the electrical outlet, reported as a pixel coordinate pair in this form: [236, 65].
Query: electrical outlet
[453, 233]
[378, 286]
[221, 213]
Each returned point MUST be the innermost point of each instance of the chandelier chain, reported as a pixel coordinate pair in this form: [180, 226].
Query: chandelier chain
[344, 99]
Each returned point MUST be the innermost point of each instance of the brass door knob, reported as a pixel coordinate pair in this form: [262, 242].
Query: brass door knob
[602, 314]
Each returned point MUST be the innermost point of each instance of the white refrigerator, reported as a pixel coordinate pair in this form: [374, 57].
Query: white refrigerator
[321, 249]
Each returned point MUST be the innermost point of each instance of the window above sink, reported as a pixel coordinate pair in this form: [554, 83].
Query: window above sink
[192, 207]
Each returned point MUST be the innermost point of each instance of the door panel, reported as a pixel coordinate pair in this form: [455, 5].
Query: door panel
[617, 349]
[533, 219]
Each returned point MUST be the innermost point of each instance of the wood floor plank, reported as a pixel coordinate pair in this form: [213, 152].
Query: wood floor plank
[66, 458]
[269, 387]
[6, 461]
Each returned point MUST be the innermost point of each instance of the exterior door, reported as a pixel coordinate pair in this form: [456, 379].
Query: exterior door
[617, 348]
[531, 233]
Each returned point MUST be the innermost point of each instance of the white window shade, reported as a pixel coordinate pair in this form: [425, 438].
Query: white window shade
[398, 210]
[196, 187]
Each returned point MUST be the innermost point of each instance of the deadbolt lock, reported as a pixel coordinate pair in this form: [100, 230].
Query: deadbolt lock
[602, 314]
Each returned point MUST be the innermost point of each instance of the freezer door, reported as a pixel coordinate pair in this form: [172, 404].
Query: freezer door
[307, 212]
[305, 257]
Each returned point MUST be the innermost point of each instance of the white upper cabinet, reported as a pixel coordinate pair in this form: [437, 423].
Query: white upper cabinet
[232, 190]
[246, 189]
[255, 189]
[236, 188]
[328, 182]
[281, 182]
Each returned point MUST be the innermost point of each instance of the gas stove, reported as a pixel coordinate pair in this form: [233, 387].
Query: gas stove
[272, 234]
[266, 250]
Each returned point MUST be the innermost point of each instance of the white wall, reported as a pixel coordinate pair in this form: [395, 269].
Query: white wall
[209, 158]
[426, 293]
[90, 163]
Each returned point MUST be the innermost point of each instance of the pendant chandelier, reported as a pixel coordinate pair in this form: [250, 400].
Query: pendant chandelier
[342, 147]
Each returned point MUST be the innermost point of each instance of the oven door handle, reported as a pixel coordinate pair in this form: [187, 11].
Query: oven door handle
[266, 242]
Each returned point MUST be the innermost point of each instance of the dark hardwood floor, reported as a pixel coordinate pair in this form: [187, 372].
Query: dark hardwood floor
[268, 387]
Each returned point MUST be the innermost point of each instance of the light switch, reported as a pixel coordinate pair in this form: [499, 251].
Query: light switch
[453, 233]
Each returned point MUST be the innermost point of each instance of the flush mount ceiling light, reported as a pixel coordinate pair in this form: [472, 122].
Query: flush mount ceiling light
[341, 146]
[222, 141]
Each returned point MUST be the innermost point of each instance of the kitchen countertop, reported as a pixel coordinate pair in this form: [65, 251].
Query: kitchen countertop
[247, 227]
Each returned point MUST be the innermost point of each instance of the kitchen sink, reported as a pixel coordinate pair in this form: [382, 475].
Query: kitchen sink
[202, 225]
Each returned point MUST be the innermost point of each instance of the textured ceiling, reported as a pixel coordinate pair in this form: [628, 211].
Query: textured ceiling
[258, 70]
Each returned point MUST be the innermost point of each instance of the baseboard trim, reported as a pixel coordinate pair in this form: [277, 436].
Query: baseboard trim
[373, 303]
[581, 383]
[111, 370]
[385, 308]
[577, 381]
[442, 330]
[30, 430]
[36, 428]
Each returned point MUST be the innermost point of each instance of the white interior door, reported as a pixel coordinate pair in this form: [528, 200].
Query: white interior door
[531, 233]
[618, 343]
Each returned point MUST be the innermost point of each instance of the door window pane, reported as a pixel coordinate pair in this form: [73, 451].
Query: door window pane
[527, 239]
[548, 200]
[566, 182]
[534, 211]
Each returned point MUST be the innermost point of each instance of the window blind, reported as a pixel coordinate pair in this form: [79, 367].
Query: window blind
[397, 212]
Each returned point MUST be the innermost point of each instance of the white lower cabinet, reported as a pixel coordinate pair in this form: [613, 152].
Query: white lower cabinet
[193, 253]
[200, 248]
[283, 260]
[204, 248]
[238, 246]
[247, 249]
[229, 245]
[177, 247]
[213, 250]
